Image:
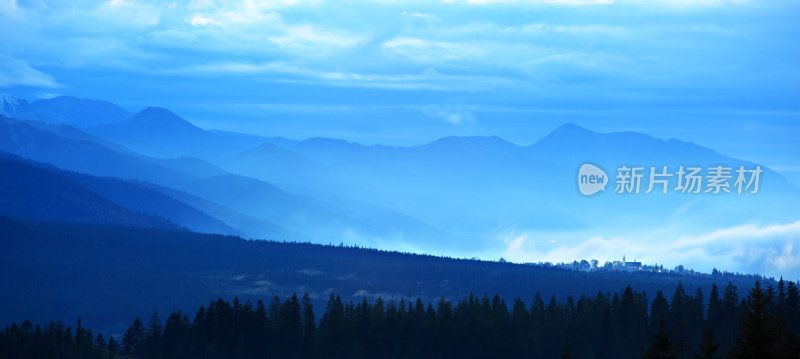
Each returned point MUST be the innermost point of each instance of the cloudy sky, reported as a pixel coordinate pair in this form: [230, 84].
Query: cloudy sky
[725, 74]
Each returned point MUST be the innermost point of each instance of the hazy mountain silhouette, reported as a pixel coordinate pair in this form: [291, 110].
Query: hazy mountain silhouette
[320, 220]
[571, 143]
[65, 196]
[257, 206]
[469, 185]
[465, 191]
[453, 194]
[574, 145]
[249, 226]
[277, 165]
[82, 155]
[158, 132]
[65, 110]
[33, 192]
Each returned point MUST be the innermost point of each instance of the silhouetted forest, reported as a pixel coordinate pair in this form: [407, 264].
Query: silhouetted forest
[765, 324]
[60, 271]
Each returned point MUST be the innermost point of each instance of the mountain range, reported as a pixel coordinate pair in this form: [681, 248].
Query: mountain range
[455, 195]
[98, 209]
[66, 110]
[107, 275]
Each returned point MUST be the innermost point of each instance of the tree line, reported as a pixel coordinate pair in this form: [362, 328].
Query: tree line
[765, 324]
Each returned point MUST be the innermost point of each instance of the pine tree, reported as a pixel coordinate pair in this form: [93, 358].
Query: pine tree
[153, 337]
[660, 345]
[332, 328]
[133, 338]
[113, 346]
[708, 348]
[730, 316]
[658, 311]
[681, 319]
[714, 313]
[176, 335]
[758, 331]
[309, 322]
[792, 308]
[781, 298]
[100, 342]
[290, 327]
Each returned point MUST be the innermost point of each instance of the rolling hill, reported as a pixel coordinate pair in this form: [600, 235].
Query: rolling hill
[257, 207]
[39, 191]
[61, 271]
[28, 191]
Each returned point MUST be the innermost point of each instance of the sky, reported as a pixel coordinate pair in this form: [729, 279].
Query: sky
[408, 72]
[724, 74]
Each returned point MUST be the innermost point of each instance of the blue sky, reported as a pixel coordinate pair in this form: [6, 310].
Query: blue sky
[365, 70]
[724, 74]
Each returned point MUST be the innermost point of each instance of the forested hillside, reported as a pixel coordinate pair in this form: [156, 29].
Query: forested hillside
[61, 271]
[623, 325]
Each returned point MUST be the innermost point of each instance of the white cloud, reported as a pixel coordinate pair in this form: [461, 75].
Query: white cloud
[454, 115]
[765, 249]
[15, 71]
[583, 29]
[428, 79]
[232, 13]
[419, 15]
[200, 20]
[580, 2]
[601, 2]
[254, 31]
[126, 12]
[249, 5]
[472, 48]
[566, 2]
[699, 2]
[9, 8]
[422, 50]
[307, 37]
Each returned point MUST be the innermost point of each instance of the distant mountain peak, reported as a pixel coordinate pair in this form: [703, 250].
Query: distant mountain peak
[163, 118]
[481, 140]
[568, 132]
[570, 128]
[449, 140]
[156, 113]
[66, 98]
[330, 143]
[328, 140]
[457, 142]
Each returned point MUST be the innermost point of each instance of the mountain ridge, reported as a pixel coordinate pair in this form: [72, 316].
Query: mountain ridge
[67, 110]
[45, 194]
[472, 191]
[150, 269]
